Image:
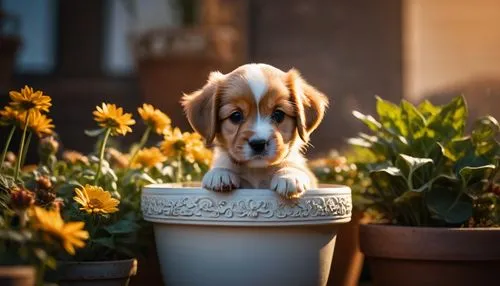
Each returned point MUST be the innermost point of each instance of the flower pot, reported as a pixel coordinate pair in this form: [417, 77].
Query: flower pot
[245, 237]
[17, 275]
[431, 256]
[347, 259]
[105, 273]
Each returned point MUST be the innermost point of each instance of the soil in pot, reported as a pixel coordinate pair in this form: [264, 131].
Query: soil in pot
[17, 276]
[103, 273]
[431, 256]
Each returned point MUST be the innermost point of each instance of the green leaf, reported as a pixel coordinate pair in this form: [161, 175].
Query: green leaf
[105, 241]
[457, 148]
[473, 179]
[368, 120]
[390, 117]
[450, 122]
[413, 119]
[447, 202]
[389, 182]
[122, 226]
[484, 134]
[428, 109]
[418, 171]
[94, 132]
[471, 175]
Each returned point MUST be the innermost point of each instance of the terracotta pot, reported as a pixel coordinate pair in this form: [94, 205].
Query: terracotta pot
[17, 275]
[431, 256]
[174, 61]
[348, 259]
[245, 237]
[104, 273]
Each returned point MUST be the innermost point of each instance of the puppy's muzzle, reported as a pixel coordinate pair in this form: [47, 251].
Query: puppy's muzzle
[258, 146]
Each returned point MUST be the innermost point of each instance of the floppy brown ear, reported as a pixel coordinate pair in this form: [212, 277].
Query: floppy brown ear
[201, 107]
[310, 104]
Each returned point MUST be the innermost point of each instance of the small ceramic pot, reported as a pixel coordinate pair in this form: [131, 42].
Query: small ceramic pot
[414, 256]
[245, 237]
[103, 273]
[17, 275]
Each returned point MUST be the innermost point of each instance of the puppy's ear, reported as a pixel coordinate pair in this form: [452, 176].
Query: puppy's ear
[201, 107]
[310, 104]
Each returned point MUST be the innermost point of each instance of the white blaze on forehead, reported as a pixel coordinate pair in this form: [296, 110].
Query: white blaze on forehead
[262, 129]
[257, 81]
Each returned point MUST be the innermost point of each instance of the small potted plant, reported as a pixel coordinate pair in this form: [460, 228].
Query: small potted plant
[438, 188]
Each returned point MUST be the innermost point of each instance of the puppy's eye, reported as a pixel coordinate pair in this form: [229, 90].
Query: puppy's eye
[236, 117]
[278, 116]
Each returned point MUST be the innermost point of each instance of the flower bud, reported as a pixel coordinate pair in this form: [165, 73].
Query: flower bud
[21, 199]
[49, 145]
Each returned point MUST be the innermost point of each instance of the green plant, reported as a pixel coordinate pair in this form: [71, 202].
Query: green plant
[427, 170]
[341, 170]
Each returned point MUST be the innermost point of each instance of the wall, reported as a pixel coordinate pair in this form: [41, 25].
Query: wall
[350, 50]
[453, 47]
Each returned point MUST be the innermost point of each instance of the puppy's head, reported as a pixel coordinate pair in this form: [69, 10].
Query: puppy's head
[257, 113]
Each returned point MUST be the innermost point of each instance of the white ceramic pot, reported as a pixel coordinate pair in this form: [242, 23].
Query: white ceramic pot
[246, 237]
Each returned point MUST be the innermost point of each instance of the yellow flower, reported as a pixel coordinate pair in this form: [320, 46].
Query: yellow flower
[28, 99]
[95, 200]
[158, 120]
[9, 116]
[74, 157]
[148, 157]
[116, 158]
[110, 116]
[195, 148]
[71, 234]
[39, 123]
[172, 143]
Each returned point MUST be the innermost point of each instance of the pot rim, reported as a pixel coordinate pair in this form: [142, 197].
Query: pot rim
[429, 243]
[188, 204]
[96, 270]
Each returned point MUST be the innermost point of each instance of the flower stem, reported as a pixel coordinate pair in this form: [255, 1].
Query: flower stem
[26, 147]
[179, 168]
[21, 147]
[7, 144]
[143, 141]
[101, 155]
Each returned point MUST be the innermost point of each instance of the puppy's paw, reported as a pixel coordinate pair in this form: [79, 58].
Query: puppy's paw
[290, 183]
[220, 180]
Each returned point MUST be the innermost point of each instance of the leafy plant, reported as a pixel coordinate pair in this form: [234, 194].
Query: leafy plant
[426, 169]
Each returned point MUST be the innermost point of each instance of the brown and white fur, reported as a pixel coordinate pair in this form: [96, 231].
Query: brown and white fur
[259, 119]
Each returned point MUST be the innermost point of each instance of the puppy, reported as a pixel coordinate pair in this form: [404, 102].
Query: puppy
[258, 118]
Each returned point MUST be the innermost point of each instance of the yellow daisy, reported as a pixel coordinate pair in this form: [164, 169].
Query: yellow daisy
[158, 120]
[194, 147]
[9, 116]
[71, 234]
[95, 200]
[172, 142]
[28, 99]
[38, 123]
[110, 116]
[148, 157]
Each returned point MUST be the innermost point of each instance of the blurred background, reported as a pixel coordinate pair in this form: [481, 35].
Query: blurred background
[83, 52]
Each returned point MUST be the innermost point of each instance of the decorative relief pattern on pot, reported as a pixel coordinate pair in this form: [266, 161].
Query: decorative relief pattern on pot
[338, 206]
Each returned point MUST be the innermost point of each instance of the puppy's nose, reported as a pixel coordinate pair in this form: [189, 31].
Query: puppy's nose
[258, 145]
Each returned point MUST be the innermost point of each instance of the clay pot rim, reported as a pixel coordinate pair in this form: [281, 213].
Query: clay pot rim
[433, 229]
[99, 262]
[95, 270]
[430, 243]
[17, 270]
